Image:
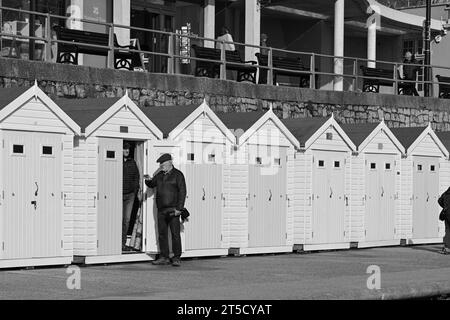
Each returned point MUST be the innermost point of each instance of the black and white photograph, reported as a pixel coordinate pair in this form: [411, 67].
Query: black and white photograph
[224, 158]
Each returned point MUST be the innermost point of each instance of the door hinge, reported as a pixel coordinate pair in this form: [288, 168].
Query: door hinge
[3, 194]
[98, 149]
[145, 241]
[312, 234]
[62, 244]
[221, 237]
[62, 195]
[3, 143]
[62, 146]
[286, 235]
[3, 246]
[344, 233]
[248, 236]
[395, 230]
[97, 243]
[365, 232]
[313, 159]
[146, 152]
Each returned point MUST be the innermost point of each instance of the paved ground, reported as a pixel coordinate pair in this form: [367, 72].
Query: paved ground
[406, 272]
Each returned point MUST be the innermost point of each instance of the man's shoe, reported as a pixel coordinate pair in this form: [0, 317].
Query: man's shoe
[161, 261]
[176, 262]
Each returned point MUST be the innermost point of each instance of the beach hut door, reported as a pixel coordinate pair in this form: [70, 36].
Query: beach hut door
[109, 201]
[32, 195]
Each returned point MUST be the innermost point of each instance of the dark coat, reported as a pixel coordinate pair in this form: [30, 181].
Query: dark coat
[170, 189]
[444, 202]
[130, 180]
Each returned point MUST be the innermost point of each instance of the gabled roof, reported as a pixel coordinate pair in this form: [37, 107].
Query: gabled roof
[250, 122]
[358, 132]
[304, 128]
[444, 137]
[407, 135]
[8, 95]
[167, 118]
[172, 120]
[240, 120]
[85, 111]
[91, 113]
[362, 134]
[12, 99]
[419, 134]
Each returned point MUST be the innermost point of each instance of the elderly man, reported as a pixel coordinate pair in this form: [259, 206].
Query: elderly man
[130, 188]
[170, 197]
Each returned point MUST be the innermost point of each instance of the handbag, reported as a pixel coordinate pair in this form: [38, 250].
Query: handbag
[443, 214]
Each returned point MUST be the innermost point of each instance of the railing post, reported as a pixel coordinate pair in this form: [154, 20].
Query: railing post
[355, 75]
[222, 62]
[312, 80]
[48, 39]
[270, 66]
[110, 62]
[395, 79]
[171, 59]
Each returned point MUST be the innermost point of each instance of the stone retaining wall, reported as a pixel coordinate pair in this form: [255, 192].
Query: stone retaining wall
[148, 90]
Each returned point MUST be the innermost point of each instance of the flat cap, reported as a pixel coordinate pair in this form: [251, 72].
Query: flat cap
[165, 157]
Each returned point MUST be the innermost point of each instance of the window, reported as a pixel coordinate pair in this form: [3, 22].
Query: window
[277, 161]
[258, 160]
[110, 154]
[190, 157]
[419, 167]
[18, 148]
[211, 157]
[124, 129]
[321, 163]
[47, 150]
[329, 136]
[387, 166]
[380, 146]
[337, 164]
[373, 165]
[432, 168]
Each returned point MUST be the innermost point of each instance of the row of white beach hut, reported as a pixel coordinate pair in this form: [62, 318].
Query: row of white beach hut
[256, 184]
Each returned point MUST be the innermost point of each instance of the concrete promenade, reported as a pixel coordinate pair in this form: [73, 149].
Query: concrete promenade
[405, 272]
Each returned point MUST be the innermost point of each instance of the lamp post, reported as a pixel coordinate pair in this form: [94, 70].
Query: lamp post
[427, 48]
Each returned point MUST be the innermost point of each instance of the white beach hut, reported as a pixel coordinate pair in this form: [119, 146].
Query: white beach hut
[322, 184]
[106, 123]
[426, 175]
[376, 185]
[35, 179]
[260, 184]
[200, 144]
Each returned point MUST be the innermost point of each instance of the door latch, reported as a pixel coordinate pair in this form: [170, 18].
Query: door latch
[34, 202]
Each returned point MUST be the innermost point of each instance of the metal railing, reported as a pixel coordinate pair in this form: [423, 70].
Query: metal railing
[319, 68]
[405, 4]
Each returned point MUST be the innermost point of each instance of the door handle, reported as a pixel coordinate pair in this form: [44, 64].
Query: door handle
[34, 202]
[37, 189]
[382, 191]
[346, 201]
[288, 201]
[428, 196]
[270, 196]
[204, 195]
[331, 192]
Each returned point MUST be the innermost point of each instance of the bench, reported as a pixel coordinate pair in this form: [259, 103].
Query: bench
[245, 71]
[292, 67]
[80, 40]
[373, 85]
[444, 86]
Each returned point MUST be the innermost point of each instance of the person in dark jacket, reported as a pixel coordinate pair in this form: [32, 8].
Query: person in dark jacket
[170, 197]
[410, 70]
[130, 188]
[444, 202]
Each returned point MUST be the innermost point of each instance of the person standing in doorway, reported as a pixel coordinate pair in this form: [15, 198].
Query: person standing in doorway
[444, 202]
[130, 188]
[170, 197]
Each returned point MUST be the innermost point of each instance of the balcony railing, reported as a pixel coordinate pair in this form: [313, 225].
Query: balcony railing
[405, 4]
[175, 60]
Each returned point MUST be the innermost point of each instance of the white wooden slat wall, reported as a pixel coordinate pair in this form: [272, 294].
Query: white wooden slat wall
[85, 189]
[348, 183]
[2, 205]
[398, 203]
[444, 184]
[404, 222]
[290, 202]
[236, 190]
[68, 176]
[356, 201]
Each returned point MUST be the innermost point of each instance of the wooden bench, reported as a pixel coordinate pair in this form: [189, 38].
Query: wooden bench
[80, 40]
[292, 67]
[211, 69]
[373, 85]
[444, 86]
